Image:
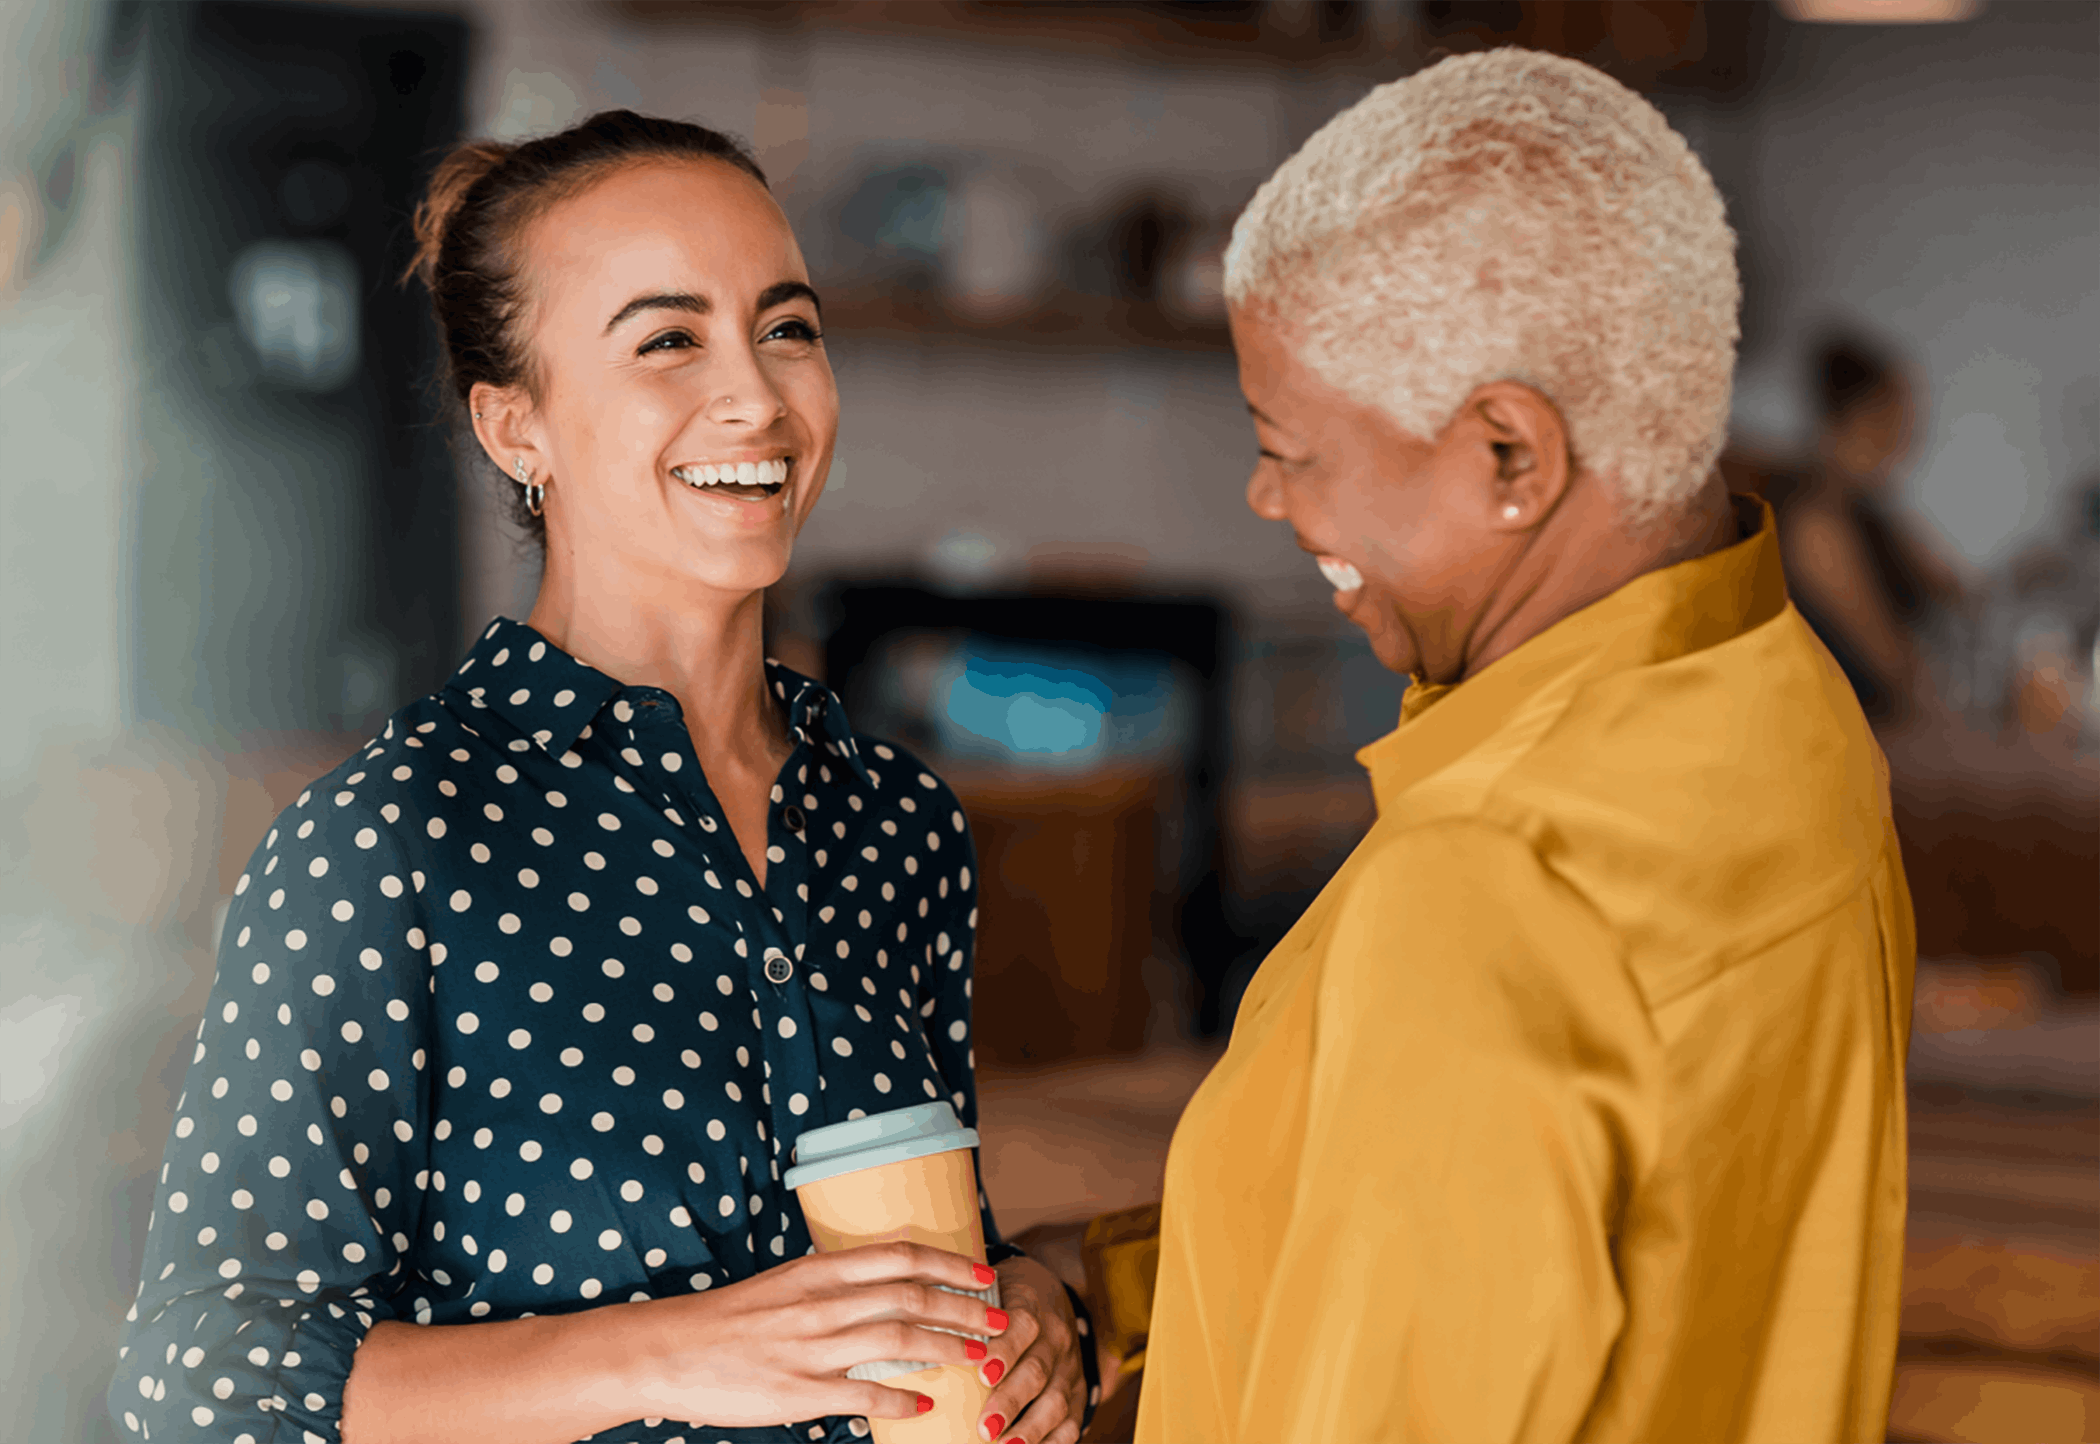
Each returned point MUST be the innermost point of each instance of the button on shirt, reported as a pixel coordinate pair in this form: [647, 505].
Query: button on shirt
[504, 1025]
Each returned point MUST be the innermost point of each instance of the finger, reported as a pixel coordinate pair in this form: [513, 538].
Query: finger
[1024, 1327]
[1025, 1404]
[882, 1262]
[880, 1401]
[894, 1339]
[927, 1305]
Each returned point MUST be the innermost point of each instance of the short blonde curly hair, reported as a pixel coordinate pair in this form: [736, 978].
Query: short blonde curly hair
[1510, 216]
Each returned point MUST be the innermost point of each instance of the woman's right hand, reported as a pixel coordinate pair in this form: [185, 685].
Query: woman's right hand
[775, 1348]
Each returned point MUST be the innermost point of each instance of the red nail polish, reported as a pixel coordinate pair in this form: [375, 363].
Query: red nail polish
[992, 1373]
[924, 1403]
[973, 1350]
[996, 1318]
[993, 1423]
[984, 1275]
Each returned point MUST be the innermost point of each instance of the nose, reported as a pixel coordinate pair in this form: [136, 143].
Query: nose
[743, 394]
[1265, 494]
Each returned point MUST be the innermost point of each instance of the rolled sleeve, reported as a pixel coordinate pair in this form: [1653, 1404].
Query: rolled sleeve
[295, 1170]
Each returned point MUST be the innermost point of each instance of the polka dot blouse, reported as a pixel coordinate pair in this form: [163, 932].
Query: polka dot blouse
[504, 1025]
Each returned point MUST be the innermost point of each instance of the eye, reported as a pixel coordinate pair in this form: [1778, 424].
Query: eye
[669, 341]
[794, 328]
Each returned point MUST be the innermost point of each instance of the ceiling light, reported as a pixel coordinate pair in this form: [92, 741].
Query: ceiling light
[1880, 12]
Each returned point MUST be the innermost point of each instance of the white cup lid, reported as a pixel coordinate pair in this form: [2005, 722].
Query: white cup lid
[879, 1138]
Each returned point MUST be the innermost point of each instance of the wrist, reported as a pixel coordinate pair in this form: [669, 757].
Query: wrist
[631, 1352]
[615, 1355]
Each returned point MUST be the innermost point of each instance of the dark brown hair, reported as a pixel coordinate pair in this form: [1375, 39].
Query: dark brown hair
[1849, 371]
[481, 197]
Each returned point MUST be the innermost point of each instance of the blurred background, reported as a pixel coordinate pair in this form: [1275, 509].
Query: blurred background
[235, 538]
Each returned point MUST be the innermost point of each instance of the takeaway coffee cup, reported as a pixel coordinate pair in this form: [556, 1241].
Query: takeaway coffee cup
[904, 1174]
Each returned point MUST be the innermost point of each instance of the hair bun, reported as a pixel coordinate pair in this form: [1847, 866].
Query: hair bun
[455, 175]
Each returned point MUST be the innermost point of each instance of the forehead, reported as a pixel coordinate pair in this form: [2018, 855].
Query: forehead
[698, 225]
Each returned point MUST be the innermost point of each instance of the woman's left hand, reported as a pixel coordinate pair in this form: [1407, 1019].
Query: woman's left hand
[1039, 1384]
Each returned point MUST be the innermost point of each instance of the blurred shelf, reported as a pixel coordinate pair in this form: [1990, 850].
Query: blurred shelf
[1070, 323]
[1212, 33]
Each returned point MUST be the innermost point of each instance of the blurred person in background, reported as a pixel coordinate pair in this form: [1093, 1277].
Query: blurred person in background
[520, 1009]
[1865, 575]
[1573, 1108]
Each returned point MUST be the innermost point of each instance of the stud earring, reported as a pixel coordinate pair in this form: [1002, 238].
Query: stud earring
[1511, 512]
[477, 416]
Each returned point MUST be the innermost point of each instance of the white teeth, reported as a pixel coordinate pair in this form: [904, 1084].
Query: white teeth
[1340, 575]
[746, 473]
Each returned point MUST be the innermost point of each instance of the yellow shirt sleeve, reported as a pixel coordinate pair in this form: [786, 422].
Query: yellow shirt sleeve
[1481, 1096]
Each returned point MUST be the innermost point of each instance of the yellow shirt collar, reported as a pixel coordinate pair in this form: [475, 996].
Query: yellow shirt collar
[1656, 616]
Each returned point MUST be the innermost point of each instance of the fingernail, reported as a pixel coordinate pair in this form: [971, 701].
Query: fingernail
[993, 1423]
[992, 1372]
[924, 1403]
[984, 1275]
[996, 1318]
[973, 1350]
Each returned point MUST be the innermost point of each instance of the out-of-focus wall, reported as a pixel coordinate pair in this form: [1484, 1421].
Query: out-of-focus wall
[1941, 185]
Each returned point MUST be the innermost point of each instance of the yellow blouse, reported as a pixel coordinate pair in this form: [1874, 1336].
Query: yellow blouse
[1573, 1107]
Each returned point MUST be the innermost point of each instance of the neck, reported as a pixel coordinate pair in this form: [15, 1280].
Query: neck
[1582, 553]
[703, 646]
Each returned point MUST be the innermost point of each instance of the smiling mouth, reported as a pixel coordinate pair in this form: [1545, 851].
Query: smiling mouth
[1340, 575]
[743, 480]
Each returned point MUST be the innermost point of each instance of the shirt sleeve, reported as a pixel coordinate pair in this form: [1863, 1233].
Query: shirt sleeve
[948, 961]
[295, 1172]
[1481, 1090]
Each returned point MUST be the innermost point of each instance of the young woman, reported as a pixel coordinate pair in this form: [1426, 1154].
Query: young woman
[520, 1010]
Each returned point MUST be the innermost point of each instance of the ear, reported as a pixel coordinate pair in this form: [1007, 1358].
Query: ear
[1528, 443]
[507, 427]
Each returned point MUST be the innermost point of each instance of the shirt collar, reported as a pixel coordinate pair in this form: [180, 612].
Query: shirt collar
[816, 717]
[1653, 618]
[551, 697]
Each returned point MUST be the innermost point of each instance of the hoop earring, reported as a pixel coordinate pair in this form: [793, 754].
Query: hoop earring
[535, 492]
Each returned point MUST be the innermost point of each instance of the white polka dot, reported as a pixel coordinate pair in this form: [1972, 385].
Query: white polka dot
[798, 1104]
[378, 1079]
[673, 1099]
[581, 1169]
[519, 1038]
[296, 940]
[550, 1103]
[486, 972]
[543, 1274]
[560, 1221]
[603, 1122]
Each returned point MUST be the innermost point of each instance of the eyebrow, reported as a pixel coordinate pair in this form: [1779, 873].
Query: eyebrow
[694, 304]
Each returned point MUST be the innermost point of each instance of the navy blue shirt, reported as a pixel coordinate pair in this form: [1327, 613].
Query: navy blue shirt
[504, 1025]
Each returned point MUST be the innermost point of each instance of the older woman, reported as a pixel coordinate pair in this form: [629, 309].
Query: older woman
[520, 1010]
[1573, 1107]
